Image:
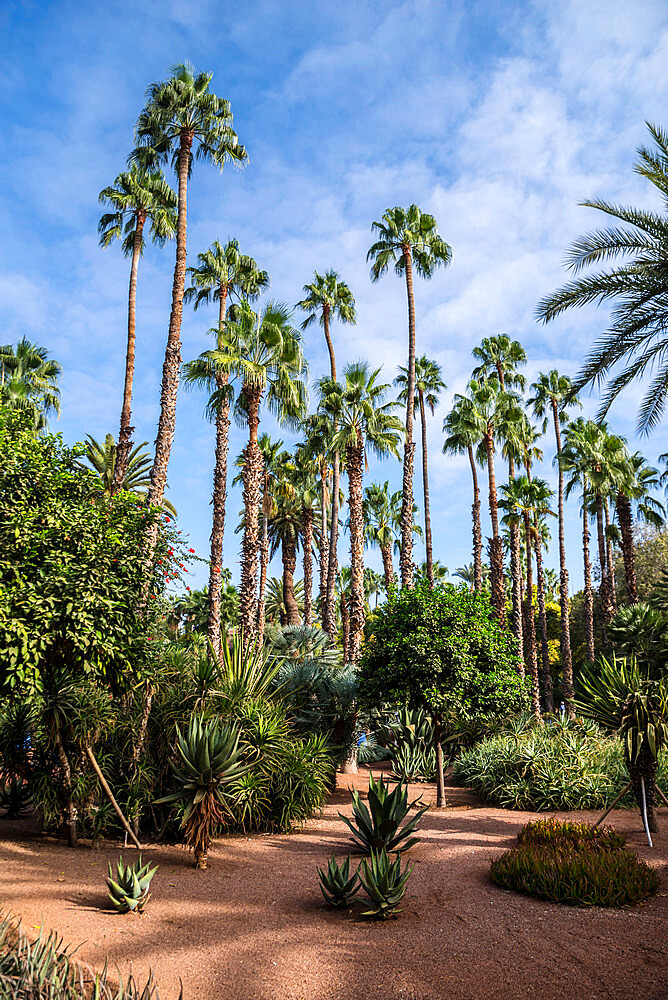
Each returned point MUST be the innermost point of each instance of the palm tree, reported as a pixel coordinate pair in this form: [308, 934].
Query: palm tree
[636, 338]
[102, 458]
[223, 274]
[285, 533]
[325, 298]
[183, 121]
[469, 575]
[381, 511]
[637, 482]
[463, 437]
[553, 393]
[428, 386]
[274, 603]
[575, 459]
[137, 198]
[319, 431]
[273, 460]
[29, 381]
[408, 238]
[364, 421]
[542, 496]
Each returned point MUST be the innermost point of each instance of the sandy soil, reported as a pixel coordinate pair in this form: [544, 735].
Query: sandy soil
[252, 927]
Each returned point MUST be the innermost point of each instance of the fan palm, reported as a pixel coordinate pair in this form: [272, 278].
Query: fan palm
[325, 298]
[364, 421]
[636, 284]
[102, 458]
[428, 386]
[29, 381]
[182, 120]
[553, 394]
[462, 438]
[407, 239]
[138, 198]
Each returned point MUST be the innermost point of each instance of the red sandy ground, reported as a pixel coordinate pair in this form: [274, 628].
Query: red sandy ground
[252, 927]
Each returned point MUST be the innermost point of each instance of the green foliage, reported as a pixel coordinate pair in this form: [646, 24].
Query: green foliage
[379, 825]
[337, 885]
[410, 734]
[384, 883]
[558, 766]
[414, 764]
[574, 864]
[129, 890]
[15, 799]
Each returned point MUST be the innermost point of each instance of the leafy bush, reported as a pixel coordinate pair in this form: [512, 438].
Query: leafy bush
[574, 864]
[379, 827]
[384, 883]
[559, 766]
[337, 885]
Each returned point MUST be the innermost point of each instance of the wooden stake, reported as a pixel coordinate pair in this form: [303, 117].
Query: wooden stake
[614, 803]
[108, 792]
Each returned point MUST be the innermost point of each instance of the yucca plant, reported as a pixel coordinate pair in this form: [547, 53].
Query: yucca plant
[384, 883]
[379, 827]
[129, 890]
[337, 885]
[15, 800]
[208, 763]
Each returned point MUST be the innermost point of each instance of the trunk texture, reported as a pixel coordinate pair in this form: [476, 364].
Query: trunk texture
[516, 579]
[604, 588]
[289, 556]
[588, 595]
[530, 625]
[252, 497]
[345, 626]
[610, 562]
[548, 689]
[355, 460]
[333, 566]
[406, 559]
[425, 493]
[307, 525]
[69, 812]
[477, 530]
[566, 656]
[495, 543]
[625, 518]
[388, 567]
[201, 858]
[124, 446]
[324, 541]
[264, 562]
[218, 498]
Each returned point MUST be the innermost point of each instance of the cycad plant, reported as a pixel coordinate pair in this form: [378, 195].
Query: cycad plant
[208, 762]
[129, 889]
[379, 826]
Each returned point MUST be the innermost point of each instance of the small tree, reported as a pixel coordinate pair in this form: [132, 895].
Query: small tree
[444, 651]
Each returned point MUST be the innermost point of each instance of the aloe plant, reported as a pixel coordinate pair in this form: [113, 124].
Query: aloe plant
[337, 885]
[129, 891]
[378, 826]
[384, 883]
[15, 798]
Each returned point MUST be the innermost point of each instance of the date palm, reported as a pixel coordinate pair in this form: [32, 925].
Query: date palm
[274, 459]
[428, 386]
[285, 533]
[182, 121]
[29, 381]
[223, 274]
[305, 482]
[365, 421]
[553, 394]
[138, 199]
[408, 239]
[635, 343]
[319, 431]
[381, 511]
[327, 297]
[463, 437]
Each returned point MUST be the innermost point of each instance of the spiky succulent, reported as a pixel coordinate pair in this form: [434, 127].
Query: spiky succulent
[379, 826]
[15, 798]
[384, 883]
[128, 891]
[337, 885]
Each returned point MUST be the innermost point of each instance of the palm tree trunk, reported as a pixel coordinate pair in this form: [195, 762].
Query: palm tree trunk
[604, 588]
[609, 560]
[438, 747]
[219, 496]
[477, 530]
[406, 558]
[345, 625]
[495, 545]
[355, 459]
[252, 480]
[264, 560]
[289, 556]
[388, 567]
[530, 625]
[125, 432]
[172, 364]
[332, 566]
[516, 578]
[625, 518]
[330, 345]
[425, 493]
[70, 813]
[324, 541]
[588, 596]
[564, 606]
[307, 527]
[548, 688]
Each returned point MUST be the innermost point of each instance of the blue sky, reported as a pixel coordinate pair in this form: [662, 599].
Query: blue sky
[497, 117]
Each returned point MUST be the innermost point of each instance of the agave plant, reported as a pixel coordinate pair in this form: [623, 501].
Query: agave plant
[337, 885]
[209, 762]
[129, 891]
[15, 800]
[414, 763]
[384, 883]
[379, 827]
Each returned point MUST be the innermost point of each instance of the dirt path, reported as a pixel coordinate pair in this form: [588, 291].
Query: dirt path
[252, 927]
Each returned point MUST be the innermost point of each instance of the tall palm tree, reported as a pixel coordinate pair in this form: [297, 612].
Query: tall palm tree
[182, 120]
[29, 380]
[325, 298]
[364, 421]
[102, 457]
[463, 437]
[381, 511]
[274, 459]
[553, 394]
[319, 431]
[222, 275]
[468, 574]
[138, 198]
[285, 533]
[407, 239]
[635, 283]
[428, 386]
[305, 483]
[636, 485]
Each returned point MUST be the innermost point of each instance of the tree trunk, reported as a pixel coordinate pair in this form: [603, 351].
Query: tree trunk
[604, 588]
[565, 644]
[548, 689]
[530, 625]
[438, 747]
[110, 795]
[516, 578]
[625, 518]
[124, 445]
[477, 530]
[264, 554]
[69, 812]
[172, 364]
[644, 767]
[495, 545]
[609, 560]
[388, 567]
[307, 527]
[588, 596]
[219, 496]
[345, 625]
[329, 612]
[252, 480]
[355, 460]
[330, 345]
[406, 558]
[289, 556]
[140, 739]
[425, 493]
[201, 858]
[324, 541]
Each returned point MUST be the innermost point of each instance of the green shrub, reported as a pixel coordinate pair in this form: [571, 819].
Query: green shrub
[378, 827]
[574, 864]
[559, 766]
[384, 883]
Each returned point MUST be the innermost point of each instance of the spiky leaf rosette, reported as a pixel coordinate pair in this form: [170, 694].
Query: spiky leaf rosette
[15, 800]
[337, 885]
[384, 883]
[129, 891]
[378, 826]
